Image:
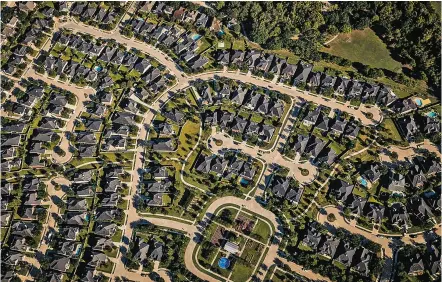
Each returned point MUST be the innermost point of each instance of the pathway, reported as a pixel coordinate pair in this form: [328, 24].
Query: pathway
[183, 82]
[331, 39]
[405, 153]
[301, 271]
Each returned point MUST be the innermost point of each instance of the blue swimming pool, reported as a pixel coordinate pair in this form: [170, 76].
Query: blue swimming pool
[86, 217]
[432, 114]
[418, 102]
[78, 251]
[98, 68]
[363, 182]
[244, 181]
[195, 37]
[224, 263]
[221, 33]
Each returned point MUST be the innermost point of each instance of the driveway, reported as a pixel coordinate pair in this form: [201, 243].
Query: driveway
[183, 80]
[82, 95]
[340, 222]
[269, 157]
[358, 113]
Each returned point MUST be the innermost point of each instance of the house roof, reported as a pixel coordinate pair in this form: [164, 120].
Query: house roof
[373, 173]
[61, 264]
[374, 212]
[313, 237]
[163, 145]
[162, 186]
[398, 214]
[302, 71]
[329, 246]
[75, 204]
[419, 209]
[266, 132]
[143, 249]
[106, 215]
[280, 186]
[106, 229]
[396, 181]
[341, 189]
[294, 195]
[312, 116]
[345, 254]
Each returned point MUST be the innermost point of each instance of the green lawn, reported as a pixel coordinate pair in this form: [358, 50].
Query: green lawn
[437, 6]
[107, 267]
[112, 253]
[188, 137]
[241, 272]
[261, 231]
[363, 46]
[204, 45]
[244, 266]
[117, 236]
[4, 231]
[390, 132]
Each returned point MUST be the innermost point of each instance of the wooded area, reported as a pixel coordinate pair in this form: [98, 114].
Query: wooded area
[411, 30]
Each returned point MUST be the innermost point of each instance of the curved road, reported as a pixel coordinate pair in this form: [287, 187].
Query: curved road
[184, 79]
[183, 82]
[82, 95]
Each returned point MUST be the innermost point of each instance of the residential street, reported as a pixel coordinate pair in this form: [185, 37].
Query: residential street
[297, 169]
[184, 79]
[82, 95]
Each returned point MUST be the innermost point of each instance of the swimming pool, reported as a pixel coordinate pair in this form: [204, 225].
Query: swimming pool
[432, 114]
[224, 263]
[418, 101]
[244, 181]
[196, 37]
[78, 251]
[221, 33]
[98, 68]
[363, 182]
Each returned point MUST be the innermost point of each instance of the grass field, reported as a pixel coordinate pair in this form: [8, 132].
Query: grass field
[437, 6]
[390, 132]
[262, 231]
[363, 46]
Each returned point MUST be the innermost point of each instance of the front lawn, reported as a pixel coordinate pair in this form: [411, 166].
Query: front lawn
[117, 236]
[107, 267]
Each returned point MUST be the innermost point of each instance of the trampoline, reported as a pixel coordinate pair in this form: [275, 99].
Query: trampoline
[224, 263]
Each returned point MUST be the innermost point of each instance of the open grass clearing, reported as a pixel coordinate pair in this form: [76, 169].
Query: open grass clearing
[365, 47]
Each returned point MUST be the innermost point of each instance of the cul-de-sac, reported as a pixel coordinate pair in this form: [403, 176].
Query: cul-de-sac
[232, 141]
